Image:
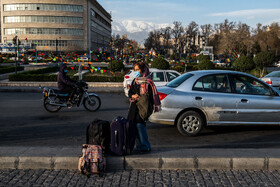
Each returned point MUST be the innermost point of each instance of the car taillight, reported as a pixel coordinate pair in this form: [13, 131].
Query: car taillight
[161, 95]
[126, 77]
[268, 82]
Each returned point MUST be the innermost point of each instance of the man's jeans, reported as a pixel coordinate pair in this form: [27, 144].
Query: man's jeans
[142, 140]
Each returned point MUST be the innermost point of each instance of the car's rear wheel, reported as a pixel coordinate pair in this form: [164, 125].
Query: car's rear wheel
[190, 123]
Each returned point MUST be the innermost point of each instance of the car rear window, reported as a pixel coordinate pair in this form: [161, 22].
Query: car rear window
[273, 74]
[179, 80]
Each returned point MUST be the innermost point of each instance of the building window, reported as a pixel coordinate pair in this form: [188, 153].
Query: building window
[44, 7]
[57, 31]
[43, 19]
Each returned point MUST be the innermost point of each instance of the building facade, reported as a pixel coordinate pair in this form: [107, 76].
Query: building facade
[56, 25]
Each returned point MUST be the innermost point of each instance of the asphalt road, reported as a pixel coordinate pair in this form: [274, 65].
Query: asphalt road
[24, 122]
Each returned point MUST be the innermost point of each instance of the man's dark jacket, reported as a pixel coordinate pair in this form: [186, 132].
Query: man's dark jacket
[63, 81]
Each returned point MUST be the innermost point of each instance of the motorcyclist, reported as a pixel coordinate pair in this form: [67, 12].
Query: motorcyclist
[65, 83]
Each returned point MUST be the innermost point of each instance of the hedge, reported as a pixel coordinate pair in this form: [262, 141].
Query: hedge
[41, 75]
[33, 77]
[103, 78]
[10, 69]
[42, 71]
[8, 61]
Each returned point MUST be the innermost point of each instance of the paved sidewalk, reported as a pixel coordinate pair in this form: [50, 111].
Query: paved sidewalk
[150, 178]
[159, 158]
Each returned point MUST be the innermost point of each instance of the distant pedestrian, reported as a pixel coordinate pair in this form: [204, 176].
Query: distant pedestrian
[144, 101]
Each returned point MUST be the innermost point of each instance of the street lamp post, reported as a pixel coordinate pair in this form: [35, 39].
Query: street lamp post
[36, 52]
[56, 44]
[16, 43]
[60, 46]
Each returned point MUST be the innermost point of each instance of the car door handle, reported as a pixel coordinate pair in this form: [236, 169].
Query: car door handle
[244, 100]
[198, 98]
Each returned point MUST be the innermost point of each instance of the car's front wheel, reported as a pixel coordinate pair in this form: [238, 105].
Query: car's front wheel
[190, 123]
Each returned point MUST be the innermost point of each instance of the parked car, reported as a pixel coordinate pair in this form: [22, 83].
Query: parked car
[273, 79]
[217, 97]
[160, 78]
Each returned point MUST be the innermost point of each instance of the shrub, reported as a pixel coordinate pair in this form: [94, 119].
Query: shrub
[103, 78]
[10, 69]
[160, 63]
[201, 57]
[41, 75]
[205, 64]
[116, 65]
[180, 69]
[8, 61]
[256, 72]
[35, 75]
[41, 71]
[264, 59]
[25, 59]
[244, 63]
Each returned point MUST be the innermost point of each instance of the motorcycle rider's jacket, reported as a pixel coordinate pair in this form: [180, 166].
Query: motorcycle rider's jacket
[63, 81]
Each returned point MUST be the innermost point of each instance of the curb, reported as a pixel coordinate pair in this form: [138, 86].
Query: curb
[38, 90]
[159, 159]
[111, 87]
[129, 163]
[54, 84]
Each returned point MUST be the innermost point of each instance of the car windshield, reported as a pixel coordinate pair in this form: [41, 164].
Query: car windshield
[179, 80]
[273, 74]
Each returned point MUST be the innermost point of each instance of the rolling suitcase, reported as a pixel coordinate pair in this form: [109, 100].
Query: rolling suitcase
[123, 132]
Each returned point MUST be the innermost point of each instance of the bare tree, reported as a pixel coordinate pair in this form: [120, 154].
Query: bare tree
[191, 32]
[206, 30]
[177, 32]
[153, 41]
[149, 41]
[242, 39]
[166, 35]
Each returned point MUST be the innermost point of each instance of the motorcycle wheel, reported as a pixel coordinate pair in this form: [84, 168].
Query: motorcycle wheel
[92, 103]
[49, 107]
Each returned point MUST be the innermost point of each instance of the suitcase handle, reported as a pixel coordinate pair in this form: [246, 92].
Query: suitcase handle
[116, 139]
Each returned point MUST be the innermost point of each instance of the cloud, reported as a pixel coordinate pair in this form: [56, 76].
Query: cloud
[251, 14]
[154, 11]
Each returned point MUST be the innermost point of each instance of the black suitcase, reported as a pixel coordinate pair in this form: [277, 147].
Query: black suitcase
[123, 132]
[98, 133]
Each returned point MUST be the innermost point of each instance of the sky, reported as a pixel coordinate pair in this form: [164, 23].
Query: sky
[202, 12]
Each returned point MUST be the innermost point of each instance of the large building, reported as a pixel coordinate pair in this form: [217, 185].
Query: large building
[56, 25]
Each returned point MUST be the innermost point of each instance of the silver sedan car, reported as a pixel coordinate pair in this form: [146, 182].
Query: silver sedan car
[216, 97]
[273, 79]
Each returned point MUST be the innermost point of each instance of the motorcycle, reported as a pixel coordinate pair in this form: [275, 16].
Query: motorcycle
[54, 99]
